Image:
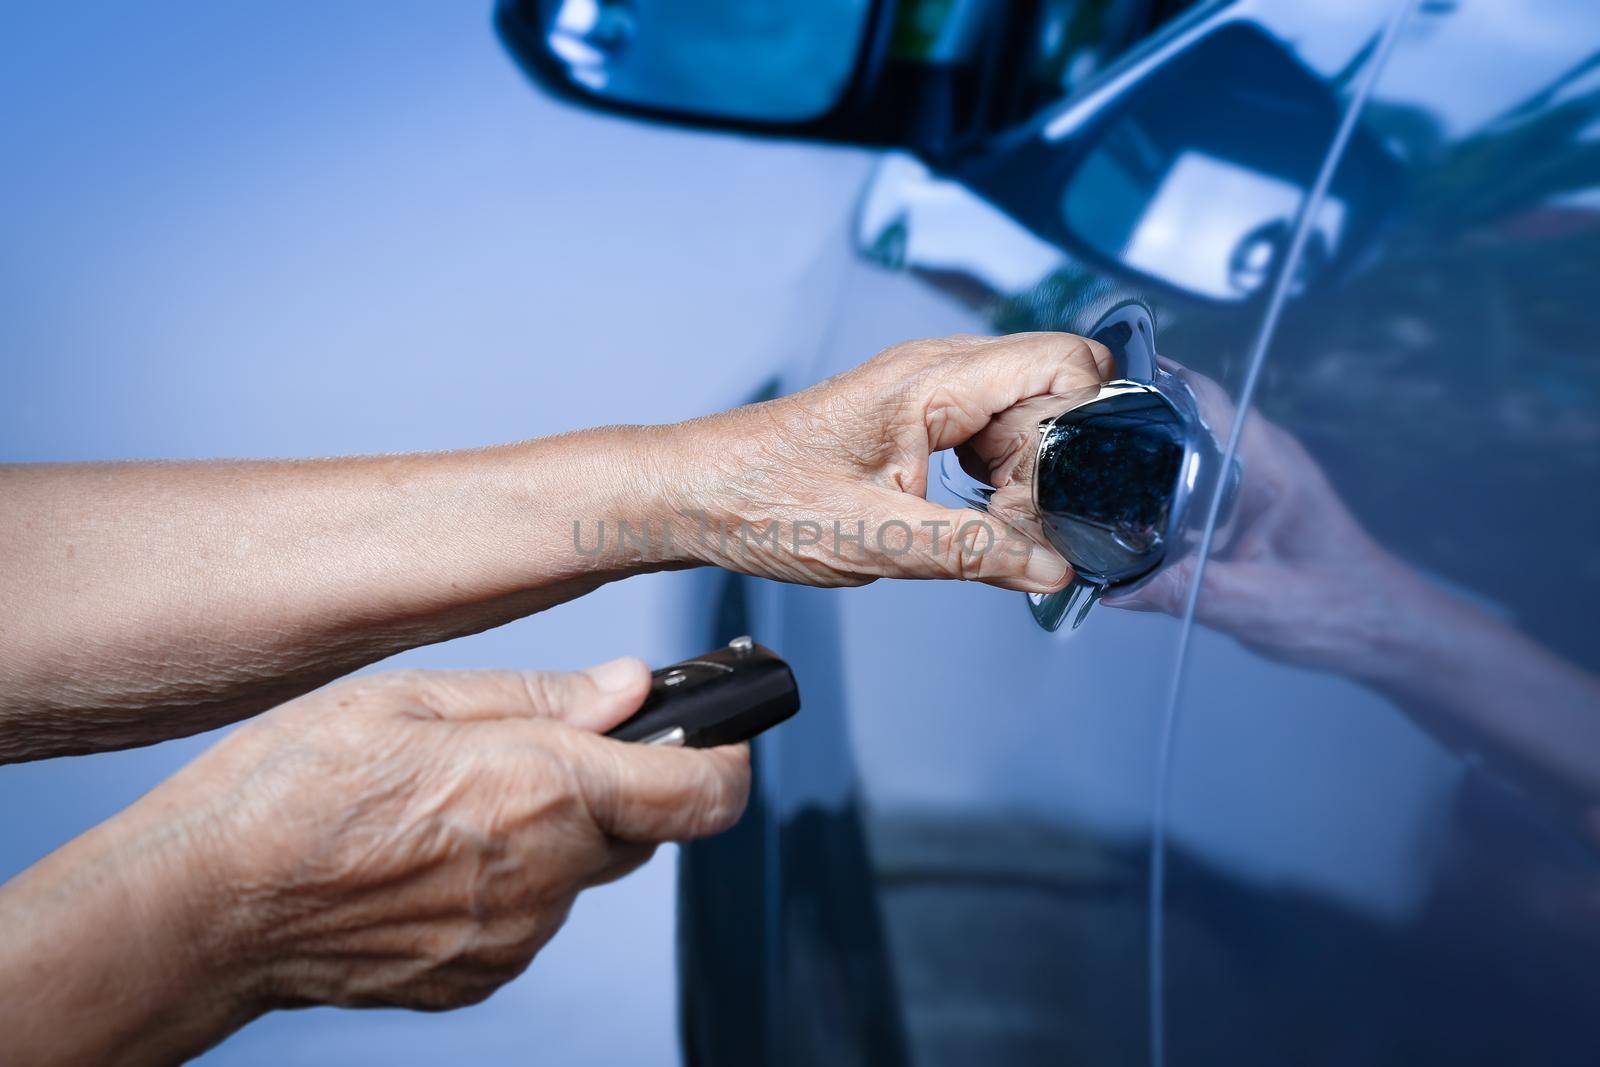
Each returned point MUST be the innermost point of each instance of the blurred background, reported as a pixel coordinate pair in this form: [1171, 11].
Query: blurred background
[227, 231]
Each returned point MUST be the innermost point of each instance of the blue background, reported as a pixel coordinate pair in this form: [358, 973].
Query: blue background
[237, 230]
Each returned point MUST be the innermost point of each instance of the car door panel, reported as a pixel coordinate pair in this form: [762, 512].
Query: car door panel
[986, 795]
[1002, 778]
[1384, 851]
[1379, 855]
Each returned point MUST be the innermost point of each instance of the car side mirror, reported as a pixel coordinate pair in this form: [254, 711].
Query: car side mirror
[783, 63]
[933, 76]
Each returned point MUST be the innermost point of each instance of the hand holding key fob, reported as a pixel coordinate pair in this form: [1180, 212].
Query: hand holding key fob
[720, 698]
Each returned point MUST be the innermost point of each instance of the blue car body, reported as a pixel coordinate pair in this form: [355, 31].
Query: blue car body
[1288, 804]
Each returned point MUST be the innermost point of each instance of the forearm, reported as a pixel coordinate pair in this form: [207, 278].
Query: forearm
[409, 840]
[1485, 686]
[110, 953]
[151, 600]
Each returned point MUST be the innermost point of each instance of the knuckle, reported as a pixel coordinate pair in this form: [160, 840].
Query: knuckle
[1078, 355]
[432, 692]
[719, 812]
[924, 349]
[543, 688]
[971, 544]
[407, 689]
[1070, 347]
[964, 566]
[405, 678]
[900, 353]
[354, 694]
[356, 700]
[589, 782]
[1104, 361]
[728, 800]
[1008, 559]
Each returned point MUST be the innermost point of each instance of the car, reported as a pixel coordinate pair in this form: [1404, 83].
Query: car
[1323, 784]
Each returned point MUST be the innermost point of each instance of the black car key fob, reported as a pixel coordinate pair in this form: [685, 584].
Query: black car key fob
[720, 698]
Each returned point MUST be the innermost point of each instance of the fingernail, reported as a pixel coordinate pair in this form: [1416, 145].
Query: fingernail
[615, 676]
[1046, 568]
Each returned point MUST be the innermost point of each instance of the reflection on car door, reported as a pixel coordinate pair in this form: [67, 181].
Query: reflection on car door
[949, 859]
[1384, 846]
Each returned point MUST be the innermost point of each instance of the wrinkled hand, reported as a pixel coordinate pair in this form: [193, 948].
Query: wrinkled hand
[839, 471]
[414, 838]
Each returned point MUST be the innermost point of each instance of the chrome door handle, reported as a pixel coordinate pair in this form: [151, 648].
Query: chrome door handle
[1116, 472]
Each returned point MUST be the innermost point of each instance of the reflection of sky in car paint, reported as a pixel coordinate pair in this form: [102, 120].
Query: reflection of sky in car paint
[1527, 44]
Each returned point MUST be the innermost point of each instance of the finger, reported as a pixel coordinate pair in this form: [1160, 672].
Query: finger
[1003, 451]
[1166, 592]
[1233, 596]
[1208, 392]
[649, 793]
[970, 387]
[920, 539]
[1223, 586]
[594, 699]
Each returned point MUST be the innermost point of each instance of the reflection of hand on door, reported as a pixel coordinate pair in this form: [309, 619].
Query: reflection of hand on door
[1296, 578]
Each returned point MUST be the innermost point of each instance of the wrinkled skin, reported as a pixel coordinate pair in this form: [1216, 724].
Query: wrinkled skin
[168, 598]
[409, 839]
[855, 448]
[1003, 453]
[414, 839]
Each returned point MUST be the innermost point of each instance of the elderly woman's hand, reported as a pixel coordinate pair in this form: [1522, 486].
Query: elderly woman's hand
[408, 839]
[169, 598]
[828, 486]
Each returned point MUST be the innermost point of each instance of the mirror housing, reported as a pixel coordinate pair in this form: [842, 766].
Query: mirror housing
[935, 77]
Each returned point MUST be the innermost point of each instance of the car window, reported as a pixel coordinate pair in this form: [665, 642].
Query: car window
[1004, 61]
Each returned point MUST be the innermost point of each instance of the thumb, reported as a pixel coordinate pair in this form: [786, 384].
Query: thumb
[594, 699]
[650, 793]
[970, 546]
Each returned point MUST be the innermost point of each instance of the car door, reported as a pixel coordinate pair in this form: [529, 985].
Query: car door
[1379, 815]
[1323, 788]
[954, 850]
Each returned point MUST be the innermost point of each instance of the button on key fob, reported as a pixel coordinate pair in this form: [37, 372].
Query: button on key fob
[720, 698]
